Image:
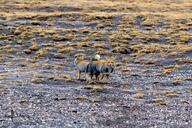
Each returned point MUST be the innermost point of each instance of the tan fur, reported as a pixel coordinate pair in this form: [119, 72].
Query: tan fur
[81, 65]
[101, 65]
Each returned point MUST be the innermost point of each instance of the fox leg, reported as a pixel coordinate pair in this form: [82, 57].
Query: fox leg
[102, 76]
[107, 77]
[87, 77]
[97, 76]
[78, 75]
[91, 75]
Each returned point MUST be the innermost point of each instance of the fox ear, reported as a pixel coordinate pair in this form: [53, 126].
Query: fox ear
[106, 57]
[113, 58]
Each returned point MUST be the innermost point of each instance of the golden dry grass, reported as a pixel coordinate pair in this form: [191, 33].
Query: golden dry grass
[160, 101]
[138, 96]
[128, 29]
[92, 88]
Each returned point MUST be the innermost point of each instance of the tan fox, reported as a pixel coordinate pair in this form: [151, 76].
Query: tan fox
[105, 67]
[81, 65]
[101, 68]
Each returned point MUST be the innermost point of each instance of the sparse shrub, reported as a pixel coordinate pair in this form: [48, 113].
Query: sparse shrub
[1, 58]
[23, 101]
[170, 69]
[103, 51]
[138, 96]
[57, 37]
[3, 89]
[34, 47]
[125, 69]
[35, 23]
[176, 82]
[100, 45]
[66, 50]
[58, 56]
[84, 44]
[81, 97]
[27, 51]
[170, 93]
[126, 59]
[159, 101]
[121, 50]
[66, 76]
[185, 60]
[37, 80]
[93, 88]
[41, 52]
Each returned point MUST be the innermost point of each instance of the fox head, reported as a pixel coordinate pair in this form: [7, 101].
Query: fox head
[79, 58]
[110, 64]
[111, 61]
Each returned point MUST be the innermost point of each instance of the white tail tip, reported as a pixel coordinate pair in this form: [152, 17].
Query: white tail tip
[97, 57]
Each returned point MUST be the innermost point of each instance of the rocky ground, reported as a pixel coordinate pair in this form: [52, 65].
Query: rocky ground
[151, 84]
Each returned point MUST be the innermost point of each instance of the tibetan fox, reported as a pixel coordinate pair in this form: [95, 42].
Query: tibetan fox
[103, 68]
[81, 65]
[95, 67]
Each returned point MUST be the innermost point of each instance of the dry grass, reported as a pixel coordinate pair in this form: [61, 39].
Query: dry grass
[57, 37]
[83, 44]
[176, 82]
[42, 52]
[58, 56]
[27, 51]
[93, 88]
[183, 101]
[126, 69]
[67, 77]
[34, 46]
[122, 50]
[126, 59]
[150, 21]
[1, 58]
[3, 89]
[23, 101]
[138, 96]
[37, 80]
[185, 60]
[103, 51]
[160, 101]
[66, 50]
[170, 93]
[100, 45]
[81, 97]
[170, 69]
[148, 62]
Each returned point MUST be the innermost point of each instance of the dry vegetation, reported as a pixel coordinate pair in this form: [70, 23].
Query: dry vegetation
[151, 41]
